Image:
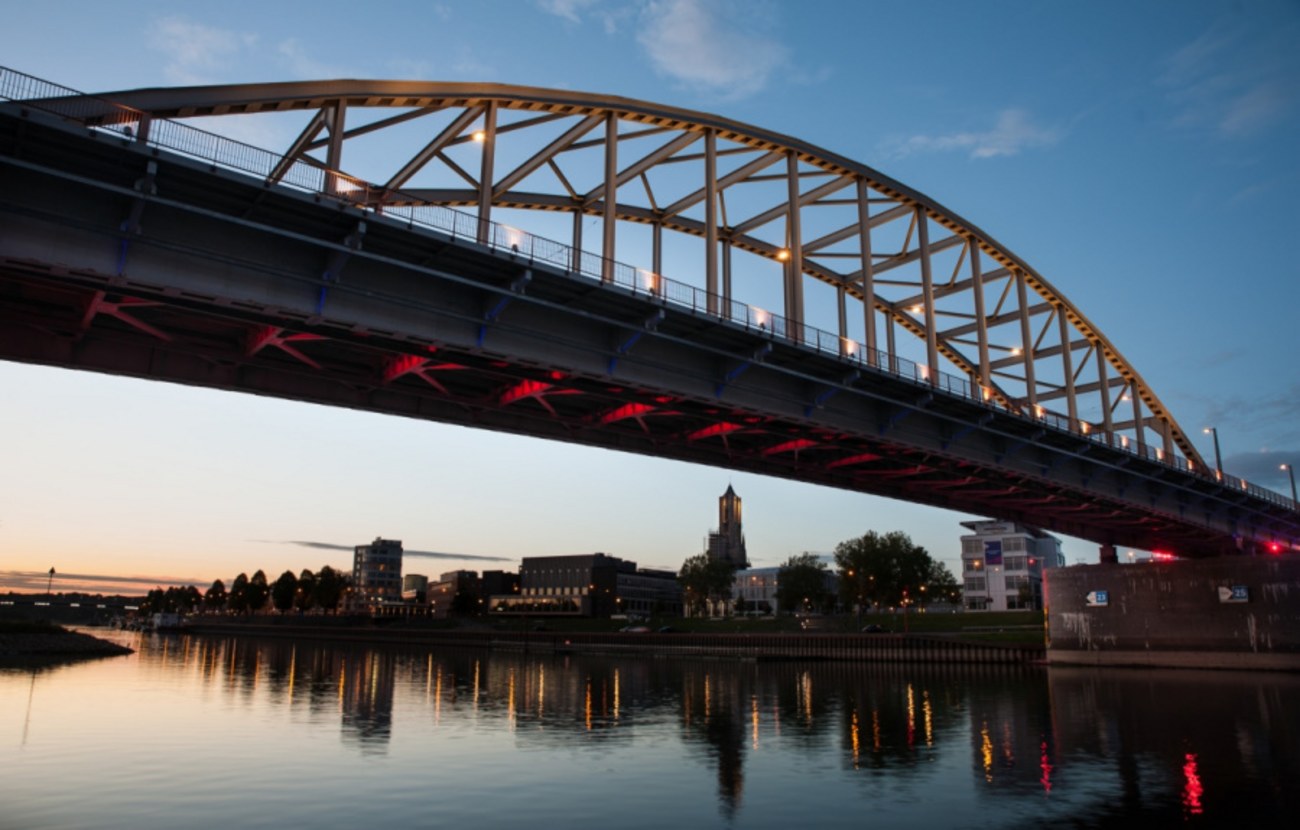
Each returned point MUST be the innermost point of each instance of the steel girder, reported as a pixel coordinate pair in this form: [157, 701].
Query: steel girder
[760, 198]
[216, 280]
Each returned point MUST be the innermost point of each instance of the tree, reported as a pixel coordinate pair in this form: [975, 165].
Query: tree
[943, 586]
[215, 598]
[238, 601]
[153, 602]
[284, 591]
[258, 591]
[801, 583]
[306, 594]
[880, 569]
[330, 585]
[704, 578]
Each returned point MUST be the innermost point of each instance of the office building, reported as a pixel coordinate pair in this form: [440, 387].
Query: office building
[377, 574]
[589, 585]
[1003, 564]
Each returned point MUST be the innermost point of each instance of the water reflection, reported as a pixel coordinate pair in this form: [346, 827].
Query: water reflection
[904, 743]
[1140, 737]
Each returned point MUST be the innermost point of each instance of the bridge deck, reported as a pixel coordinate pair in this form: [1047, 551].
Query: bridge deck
[222, 281]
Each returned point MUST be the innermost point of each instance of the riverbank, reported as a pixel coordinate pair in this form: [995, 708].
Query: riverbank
[22, 641]
[874, 647]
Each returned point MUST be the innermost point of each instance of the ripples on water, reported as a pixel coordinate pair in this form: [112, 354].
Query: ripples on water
[215, 732]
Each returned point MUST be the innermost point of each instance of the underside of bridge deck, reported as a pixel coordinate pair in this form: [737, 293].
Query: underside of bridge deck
[118, 259]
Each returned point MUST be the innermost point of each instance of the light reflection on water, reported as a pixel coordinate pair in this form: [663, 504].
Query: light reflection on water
[209, 732]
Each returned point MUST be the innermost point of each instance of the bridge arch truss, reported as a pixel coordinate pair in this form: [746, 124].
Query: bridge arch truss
[973, 383]
[759, 220]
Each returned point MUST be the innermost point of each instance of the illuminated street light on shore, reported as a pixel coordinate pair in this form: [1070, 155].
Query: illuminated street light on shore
[1290, 471]
[1218, 459]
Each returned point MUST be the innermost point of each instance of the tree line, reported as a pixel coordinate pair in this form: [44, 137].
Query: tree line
[323, 590]
[874, 571]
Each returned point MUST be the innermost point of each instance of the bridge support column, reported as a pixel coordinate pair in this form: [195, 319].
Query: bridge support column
[1109, 556]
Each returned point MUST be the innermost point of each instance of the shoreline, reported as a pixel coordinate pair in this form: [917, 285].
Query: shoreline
[760, 647]
[57, 644]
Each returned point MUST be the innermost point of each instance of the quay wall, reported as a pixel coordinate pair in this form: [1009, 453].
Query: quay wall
[849, 647]
[1237, 612]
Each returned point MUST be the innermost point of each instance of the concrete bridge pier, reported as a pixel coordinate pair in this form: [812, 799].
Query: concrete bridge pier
[1231, 612]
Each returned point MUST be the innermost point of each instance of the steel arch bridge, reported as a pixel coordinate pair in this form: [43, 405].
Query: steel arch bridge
[797, 247]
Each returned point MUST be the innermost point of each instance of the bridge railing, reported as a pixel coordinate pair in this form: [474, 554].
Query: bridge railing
[105, 115]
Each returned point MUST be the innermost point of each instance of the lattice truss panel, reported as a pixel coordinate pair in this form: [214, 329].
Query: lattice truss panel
[776, 230]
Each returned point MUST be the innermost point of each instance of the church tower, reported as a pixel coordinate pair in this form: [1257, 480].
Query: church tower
[728, 541]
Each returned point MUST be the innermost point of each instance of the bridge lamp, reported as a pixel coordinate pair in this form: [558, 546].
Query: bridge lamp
[1290, 471]
[1218, 459]
[479, 136]
[783, 254]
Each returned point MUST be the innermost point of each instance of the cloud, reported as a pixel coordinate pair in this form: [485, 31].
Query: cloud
[1254, 109]
[570, 10]
[427, 554]
[303, 65]
[37, 580]
[707, 45]
[1013, 133]
[1234, 83]
[1264, 468]
[1272, 414]
[196, 53]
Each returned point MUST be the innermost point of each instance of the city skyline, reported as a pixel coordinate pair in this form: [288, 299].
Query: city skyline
[1140, 160]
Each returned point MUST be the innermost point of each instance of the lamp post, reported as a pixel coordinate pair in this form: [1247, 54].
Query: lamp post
[1218, 459]
[50, 581]
[1290, 471]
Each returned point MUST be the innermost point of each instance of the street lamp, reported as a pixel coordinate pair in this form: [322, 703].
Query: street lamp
[1290, 471]
[50, 581]
[1218, 459]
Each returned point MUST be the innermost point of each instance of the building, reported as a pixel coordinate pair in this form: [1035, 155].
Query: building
[498, 582]
[1002, 565]
[455, 592]
[415, 589]
[588, 585]
[756, 587]
[377, 574]
[643, 592]
[727, 543]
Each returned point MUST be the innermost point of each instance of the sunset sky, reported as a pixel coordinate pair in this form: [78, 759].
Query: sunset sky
[1141, 156]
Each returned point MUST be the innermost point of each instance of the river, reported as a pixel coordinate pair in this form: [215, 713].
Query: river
[199, 732]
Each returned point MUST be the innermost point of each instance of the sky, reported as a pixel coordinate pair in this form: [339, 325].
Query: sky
[1141, 156]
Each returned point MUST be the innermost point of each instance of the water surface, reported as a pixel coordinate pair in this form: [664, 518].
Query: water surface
[227, 732]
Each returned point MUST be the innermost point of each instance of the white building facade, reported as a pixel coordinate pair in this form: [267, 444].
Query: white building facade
[1003, 563]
